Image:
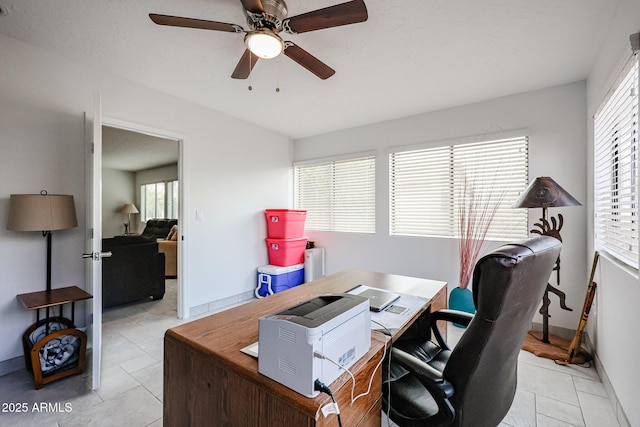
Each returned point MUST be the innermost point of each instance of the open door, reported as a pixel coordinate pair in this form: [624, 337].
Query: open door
[93, 240]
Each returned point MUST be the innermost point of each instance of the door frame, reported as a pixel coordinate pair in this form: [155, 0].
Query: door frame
[182, 286]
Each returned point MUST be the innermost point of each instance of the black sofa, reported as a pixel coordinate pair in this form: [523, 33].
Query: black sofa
[158, 228]
[134, 271]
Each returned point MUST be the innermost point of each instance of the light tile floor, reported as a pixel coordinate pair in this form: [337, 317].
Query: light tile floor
[548, 395]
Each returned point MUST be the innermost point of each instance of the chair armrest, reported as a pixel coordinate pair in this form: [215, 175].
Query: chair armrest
[448, 315]
[429, 376]
[439, 388]
[453, 316]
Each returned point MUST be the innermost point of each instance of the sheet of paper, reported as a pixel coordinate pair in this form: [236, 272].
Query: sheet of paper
[251, 350]
[396, 315]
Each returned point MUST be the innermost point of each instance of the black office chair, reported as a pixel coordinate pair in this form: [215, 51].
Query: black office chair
[473, 384]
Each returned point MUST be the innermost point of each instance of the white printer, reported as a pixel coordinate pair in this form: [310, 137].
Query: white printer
[293, 341]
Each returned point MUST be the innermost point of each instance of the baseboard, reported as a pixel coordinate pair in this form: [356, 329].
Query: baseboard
[11, 365]
[221, 304]
[613, 398]
[565, 333]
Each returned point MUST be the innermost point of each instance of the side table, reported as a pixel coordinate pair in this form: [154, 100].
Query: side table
[53, 347]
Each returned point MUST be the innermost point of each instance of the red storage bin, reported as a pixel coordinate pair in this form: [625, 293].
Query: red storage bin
[285, 223]
[286, 252]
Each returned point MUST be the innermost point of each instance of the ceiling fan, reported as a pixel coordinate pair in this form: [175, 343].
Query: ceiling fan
[266, 19]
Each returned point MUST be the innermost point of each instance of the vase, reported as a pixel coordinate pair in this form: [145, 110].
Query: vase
[461, 299]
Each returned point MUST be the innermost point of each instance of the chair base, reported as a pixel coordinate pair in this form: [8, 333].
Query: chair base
[556, 349]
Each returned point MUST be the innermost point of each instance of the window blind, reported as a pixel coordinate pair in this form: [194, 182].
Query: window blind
[338, 195]
[159, 200]
[616, 169]
[426, 187]
[152, 198]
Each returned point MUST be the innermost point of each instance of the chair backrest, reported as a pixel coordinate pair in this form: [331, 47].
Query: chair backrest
[508, 285]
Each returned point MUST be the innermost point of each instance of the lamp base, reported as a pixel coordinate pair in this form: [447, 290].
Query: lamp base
[556, 349]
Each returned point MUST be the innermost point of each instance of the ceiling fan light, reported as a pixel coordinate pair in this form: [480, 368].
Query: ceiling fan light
[264, 44]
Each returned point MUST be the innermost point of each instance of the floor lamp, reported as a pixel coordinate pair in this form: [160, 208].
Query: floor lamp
[42, 212]
[545, 193]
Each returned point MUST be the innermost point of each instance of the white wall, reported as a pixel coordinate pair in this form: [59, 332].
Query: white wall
[234, 170]
[611, 323]
[556, 123]
[39, 150]
[118, 188]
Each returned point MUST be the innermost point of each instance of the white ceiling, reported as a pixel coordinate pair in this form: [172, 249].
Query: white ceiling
[410, 57]
[133, 151]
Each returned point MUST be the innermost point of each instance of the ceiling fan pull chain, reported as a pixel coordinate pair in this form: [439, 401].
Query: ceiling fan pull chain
[250, 78]
[278, 75]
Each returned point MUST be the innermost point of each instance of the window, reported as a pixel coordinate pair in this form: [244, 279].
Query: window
[339, 195]
[159, 200]
[426, 186]
[615, 137]
[172, 199]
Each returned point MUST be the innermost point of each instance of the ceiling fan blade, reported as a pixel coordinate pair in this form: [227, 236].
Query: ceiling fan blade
[254, 6]
[245, 65]
[177, 21]
[333, 16]
[308, 61]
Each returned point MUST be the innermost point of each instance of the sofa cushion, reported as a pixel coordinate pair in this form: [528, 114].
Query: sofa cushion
[173, 233]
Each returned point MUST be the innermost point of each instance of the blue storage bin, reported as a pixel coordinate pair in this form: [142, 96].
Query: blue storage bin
[273, 279]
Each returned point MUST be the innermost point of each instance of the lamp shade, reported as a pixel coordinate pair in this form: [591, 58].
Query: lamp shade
[264, 43]
[129, 208]
[544, 192]
[41, 212]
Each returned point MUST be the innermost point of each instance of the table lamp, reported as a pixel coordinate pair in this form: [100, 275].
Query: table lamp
[42, 212]
[129, 209]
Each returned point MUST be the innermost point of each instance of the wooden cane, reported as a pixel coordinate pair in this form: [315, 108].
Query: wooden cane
[574, 347]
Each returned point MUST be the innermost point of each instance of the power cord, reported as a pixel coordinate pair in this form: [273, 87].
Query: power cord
[353, 380]
[387, 339]
[322, 387]
[388, 333]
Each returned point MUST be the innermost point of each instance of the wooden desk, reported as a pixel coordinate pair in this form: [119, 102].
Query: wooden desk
[208, 381]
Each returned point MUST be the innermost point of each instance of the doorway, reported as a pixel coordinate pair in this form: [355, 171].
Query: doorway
[132, 156]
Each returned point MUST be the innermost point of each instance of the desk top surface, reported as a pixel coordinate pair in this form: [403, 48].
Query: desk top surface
[224, 334]
[243, 319]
